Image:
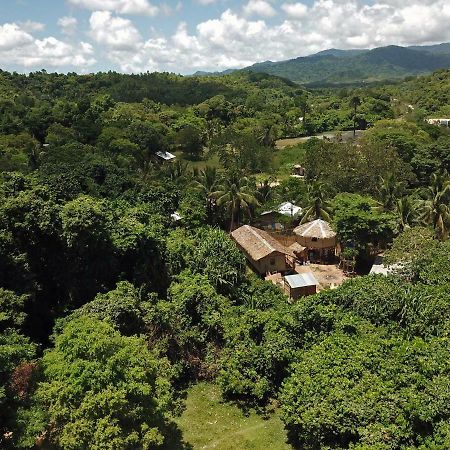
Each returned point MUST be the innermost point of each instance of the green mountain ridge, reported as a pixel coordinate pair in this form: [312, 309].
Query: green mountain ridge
[334, 66]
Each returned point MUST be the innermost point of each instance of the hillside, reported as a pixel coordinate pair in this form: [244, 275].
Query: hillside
[385, 63]
[338, 67]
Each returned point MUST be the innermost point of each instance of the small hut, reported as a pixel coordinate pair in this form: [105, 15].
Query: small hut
[300, 285]
[263, 252]
[318, 237]
[274, 218]
[300, 252]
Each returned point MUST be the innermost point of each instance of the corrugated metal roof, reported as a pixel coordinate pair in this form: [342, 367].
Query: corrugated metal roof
[167, 156]
[301, 280]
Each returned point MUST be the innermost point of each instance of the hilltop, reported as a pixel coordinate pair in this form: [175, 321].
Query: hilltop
[337, 67]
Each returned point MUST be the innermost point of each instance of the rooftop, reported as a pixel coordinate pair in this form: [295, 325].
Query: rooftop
[301, 280]
[286, 209]
[258, 243]
[166, 156]
[316, 229]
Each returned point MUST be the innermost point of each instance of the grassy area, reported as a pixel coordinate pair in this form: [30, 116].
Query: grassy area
[285, 158]
[213, 161]
[209, 423]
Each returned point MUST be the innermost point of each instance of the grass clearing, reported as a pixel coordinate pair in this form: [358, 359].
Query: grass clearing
[210, 423]
[285, 158]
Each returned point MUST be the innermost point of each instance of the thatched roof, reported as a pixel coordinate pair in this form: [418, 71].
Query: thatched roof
[297, 248]
[258, 243]
[318, 229]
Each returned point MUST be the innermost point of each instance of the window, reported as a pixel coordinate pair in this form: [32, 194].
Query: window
[272, 261]
[314, 239]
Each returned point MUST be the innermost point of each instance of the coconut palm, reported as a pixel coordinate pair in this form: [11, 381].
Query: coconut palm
[206, 181]
[408, 211]
[235, 194]
[437, 204]
[264, 190]
[317, 206]
[389, 191]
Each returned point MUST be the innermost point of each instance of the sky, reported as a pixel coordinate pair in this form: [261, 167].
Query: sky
[185, 36]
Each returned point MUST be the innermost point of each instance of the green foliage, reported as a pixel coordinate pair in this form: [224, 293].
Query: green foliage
[358, 223]
[99, 390]
[218, 258]
[360, 387]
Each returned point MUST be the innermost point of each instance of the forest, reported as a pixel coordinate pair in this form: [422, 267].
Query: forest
[121, 289]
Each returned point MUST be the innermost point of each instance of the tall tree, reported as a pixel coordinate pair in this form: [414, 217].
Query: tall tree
[235, 194]
[355, 101]
[206, 183]
[437, 204]
[316, 202]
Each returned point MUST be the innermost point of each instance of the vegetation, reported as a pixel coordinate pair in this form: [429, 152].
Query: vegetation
[121, 290]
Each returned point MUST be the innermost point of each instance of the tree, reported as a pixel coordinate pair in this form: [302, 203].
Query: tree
[100, 390]
[206, 183]
[355, 101]
[316, 206]
[360, 224]
[234, 193]
[436, 206]
[390, 191]
[190, 141]
[218, 257]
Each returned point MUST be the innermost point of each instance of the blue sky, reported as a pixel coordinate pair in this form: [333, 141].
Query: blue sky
[185, 36]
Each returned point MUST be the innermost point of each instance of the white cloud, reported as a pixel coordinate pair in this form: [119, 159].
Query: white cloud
[117, 33]
[20, 48]
[236, 38]
[31, 26]
[295, 10]
[206, 2]
[68, 25]
[12, 36]
[118, 6]
[259, 8]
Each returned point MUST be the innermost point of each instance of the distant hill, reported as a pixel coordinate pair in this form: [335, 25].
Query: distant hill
[337, 67]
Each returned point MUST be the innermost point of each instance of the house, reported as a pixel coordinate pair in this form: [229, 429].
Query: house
[379, 268]
[300, 285]
[300, 252]
[165, 156]
[441, 122]
[271, 219]
[318, 237]
[264, 253]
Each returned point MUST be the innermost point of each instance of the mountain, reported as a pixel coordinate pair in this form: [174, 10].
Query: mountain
[338, 67]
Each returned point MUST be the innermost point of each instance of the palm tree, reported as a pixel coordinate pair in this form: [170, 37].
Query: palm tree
[317, 206]
[437, 204]
[355, 101]
[408, 211]
[264, 191]
[206, 182]
[235, 194]
[390, 191]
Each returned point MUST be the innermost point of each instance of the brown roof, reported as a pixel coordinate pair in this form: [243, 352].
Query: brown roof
[317, 229]
[258, 243]
[297, 248]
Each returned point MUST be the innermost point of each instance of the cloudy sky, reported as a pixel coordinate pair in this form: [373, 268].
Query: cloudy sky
[185, 36]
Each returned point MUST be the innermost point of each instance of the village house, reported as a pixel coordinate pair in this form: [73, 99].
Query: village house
[264, 253]
[441, 122]
[300, 285]
[274, 218]
[319, 239]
